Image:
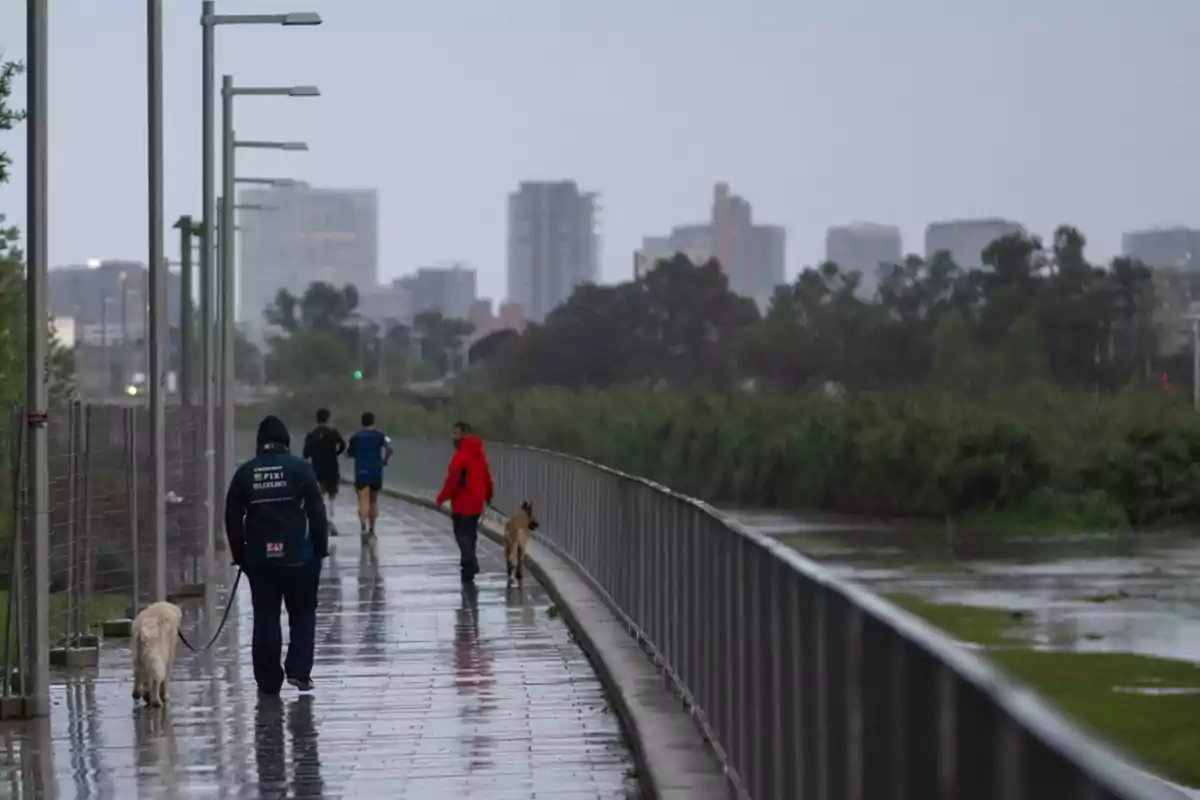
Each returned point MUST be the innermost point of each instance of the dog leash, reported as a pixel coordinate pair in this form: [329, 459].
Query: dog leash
[224, 619]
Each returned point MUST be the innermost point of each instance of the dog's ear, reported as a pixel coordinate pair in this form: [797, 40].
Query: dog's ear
[527, 507]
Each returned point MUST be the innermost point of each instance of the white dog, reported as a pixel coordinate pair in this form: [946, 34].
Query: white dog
[155, 632]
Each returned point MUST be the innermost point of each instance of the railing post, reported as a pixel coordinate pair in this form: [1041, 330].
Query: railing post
[72, 516]
[131, 450]
[947, 732]
[853, 675]
[89, 563]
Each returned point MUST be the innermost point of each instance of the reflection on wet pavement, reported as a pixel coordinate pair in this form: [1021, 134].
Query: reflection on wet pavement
[1136, 593]
[423, 690]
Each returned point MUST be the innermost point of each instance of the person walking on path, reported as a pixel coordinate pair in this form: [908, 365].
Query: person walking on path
[469, 489]
[371, 451]
[322, 446]
[277, 531]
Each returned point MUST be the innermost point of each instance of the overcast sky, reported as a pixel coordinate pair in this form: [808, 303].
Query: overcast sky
[817, 111]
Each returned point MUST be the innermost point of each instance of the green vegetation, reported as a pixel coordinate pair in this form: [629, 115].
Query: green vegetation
[1160, 729]
[1040, 459]
[104, 606]
[60, 364]
[1030, 394]
[1126, 699]
[971, 624]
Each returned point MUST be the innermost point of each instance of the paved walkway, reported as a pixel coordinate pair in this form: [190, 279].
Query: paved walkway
[424, 690]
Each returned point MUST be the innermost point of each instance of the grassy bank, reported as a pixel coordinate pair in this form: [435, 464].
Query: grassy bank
[105, 605]
[1120, 696]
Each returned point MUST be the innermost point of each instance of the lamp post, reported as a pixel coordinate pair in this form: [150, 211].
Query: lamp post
[209, 20]
[188, 230]
[229, 145]
[274, 183]
[37, 652]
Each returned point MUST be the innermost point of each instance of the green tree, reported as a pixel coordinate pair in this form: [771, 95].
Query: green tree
[60, 365]
[308, 356]
[441, 339]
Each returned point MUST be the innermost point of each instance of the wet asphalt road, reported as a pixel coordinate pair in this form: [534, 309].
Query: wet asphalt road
[423, 690]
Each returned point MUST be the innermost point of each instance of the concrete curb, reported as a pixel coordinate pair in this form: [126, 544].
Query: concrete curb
[673, 759]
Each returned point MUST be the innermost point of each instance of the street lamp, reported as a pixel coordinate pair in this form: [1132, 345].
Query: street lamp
[209, 20]
[274, 183]
[229, 144]
[299, 147]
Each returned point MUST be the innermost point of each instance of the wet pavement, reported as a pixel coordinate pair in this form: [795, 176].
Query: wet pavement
[423, 690]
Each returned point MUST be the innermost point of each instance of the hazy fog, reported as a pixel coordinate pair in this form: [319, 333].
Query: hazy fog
[817, 112]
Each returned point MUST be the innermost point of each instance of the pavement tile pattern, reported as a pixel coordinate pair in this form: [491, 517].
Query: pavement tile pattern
[423, 690]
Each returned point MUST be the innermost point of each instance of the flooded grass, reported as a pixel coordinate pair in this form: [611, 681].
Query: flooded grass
[1159, 726]
[970, 624]
[1145, 705]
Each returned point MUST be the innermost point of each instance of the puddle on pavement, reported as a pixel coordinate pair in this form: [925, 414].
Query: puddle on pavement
[1137, 593]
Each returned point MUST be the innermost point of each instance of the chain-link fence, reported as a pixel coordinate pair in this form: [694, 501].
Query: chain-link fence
[102, 541]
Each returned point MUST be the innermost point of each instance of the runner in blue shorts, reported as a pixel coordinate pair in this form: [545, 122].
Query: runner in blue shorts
[370, 449]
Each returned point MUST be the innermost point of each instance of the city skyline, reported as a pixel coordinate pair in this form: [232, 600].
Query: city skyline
[828, 113]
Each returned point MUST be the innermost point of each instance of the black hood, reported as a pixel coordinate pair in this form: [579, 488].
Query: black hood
[272, 435]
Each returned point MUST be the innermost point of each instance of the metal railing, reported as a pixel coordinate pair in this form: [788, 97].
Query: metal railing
[808, 687]
[102, 548]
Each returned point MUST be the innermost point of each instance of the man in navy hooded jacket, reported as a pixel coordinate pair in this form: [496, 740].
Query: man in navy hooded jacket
[278, 534]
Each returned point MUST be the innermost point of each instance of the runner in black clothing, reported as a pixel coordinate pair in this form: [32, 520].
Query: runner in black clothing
[322, 446]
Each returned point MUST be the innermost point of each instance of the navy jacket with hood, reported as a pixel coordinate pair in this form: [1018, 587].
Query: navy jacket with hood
[274, 512]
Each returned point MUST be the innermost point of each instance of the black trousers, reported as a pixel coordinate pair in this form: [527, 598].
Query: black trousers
[466, 534]
[295, 588]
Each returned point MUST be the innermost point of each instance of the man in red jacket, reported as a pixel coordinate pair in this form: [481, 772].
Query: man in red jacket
[468, 487]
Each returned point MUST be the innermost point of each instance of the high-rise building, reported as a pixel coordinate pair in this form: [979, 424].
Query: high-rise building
[753, 257]
[512, 316]
[553, 245]
[389, 303]
[966, 239]
[450, 291]
[1175, 248]
[310, 234]
[766, 263]
[865, 248]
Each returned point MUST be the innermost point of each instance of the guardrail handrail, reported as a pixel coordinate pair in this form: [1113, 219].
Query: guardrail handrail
[1114, 772]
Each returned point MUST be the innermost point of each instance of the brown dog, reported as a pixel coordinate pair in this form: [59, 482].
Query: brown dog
[516, 532]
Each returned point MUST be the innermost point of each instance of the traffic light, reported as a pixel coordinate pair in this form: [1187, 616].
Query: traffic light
[358, 374]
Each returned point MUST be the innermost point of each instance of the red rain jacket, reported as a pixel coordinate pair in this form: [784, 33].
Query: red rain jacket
[468, 484]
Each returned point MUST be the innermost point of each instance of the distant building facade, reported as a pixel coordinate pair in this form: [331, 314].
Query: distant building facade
[512, 315]
[387, 303]
[312, 234]
[1178, 292]
[553, 244]
[966, 239]
[115, 294]
[1173, 254]
[646, 258]
[451, 291]
[866, 248]
[1174, 248]
[753, 257]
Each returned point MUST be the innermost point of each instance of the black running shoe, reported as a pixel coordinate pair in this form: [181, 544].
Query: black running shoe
[303, 684]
